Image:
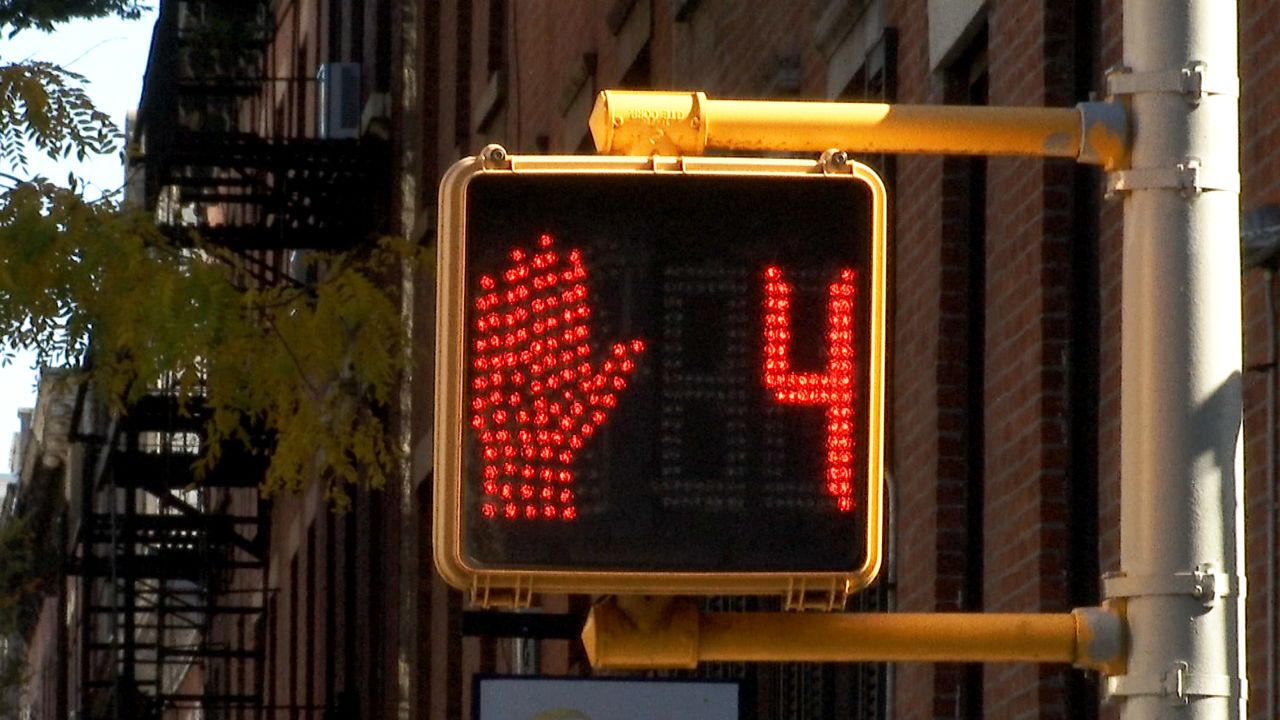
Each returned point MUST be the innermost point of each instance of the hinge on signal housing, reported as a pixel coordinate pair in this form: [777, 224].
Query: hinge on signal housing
[508, 592]
[823, 596]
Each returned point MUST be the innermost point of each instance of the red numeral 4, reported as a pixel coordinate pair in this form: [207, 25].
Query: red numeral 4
[832, 389]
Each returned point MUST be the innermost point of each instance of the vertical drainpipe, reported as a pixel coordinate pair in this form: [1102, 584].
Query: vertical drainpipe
[1182, 527]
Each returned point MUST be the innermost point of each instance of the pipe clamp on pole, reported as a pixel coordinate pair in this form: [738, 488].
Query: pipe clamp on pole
[1179, 685]
[1194, 80]
[1202, 583]
[1188, 177]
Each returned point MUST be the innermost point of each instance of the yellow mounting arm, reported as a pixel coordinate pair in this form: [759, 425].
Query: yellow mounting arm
[634, 633]
[687, 123]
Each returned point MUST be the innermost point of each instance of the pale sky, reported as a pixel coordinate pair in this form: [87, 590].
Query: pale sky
[112, 55]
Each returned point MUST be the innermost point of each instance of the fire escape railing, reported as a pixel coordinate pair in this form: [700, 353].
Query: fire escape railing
[173, 574]
[228, 146]
[173, 565]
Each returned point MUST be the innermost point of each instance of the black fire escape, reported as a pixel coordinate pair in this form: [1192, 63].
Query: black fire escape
[173, 565]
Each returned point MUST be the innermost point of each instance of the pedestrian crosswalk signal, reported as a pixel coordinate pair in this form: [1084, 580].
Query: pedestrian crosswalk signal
[659, 375]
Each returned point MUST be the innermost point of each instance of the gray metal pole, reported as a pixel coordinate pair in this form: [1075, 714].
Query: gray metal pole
[1182, 526]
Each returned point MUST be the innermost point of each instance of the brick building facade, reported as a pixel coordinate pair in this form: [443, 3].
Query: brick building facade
[1005, 333]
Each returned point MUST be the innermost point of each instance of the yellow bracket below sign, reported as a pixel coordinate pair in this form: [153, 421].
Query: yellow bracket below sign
[671, 633]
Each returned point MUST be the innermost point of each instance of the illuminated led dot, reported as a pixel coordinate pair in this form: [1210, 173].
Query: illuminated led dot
[490, 473]
[547, 492]
[526, 491]
[477, 422]
[489, 510]
[499, 416]
[569, 513]
[565, 476]
[506, 491]
[545, 240]
[566, 457]
[566, 496]
[586, 430]
[510, 511]
[530, 511]
[509, 468]
[575, 442]
[486, 282]
[548, 511]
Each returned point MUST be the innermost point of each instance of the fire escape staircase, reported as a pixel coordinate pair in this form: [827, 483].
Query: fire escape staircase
[173, 563]
[174, 572]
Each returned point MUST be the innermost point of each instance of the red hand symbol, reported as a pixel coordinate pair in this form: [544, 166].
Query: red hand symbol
[536, 396]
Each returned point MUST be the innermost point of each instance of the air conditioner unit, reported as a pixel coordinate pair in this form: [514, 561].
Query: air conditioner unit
[339, 100]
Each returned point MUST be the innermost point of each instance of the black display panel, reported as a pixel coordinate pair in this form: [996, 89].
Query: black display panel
[665, 373]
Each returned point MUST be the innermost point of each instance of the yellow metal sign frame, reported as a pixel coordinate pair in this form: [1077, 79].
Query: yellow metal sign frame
[514, 587]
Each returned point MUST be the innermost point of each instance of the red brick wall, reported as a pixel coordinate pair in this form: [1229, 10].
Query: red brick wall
[1260, 177]
[917, 420]
[731, 49]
